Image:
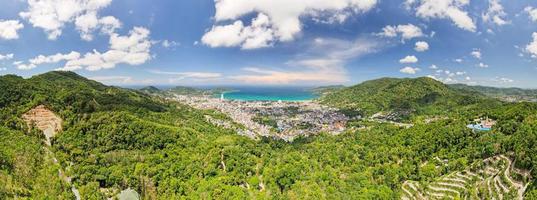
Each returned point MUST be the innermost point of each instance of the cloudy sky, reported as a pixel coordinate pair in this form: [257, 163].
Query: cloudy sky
[272, 42]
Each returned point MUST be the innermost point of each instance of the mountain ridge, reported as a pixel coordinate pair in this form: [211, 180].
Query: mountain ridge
[393, 94]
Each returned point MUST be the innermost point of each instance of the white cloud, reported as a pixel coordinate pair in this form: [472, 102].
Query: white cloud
[482, 65]
[277, 20]
[407, 31]
[433, 67]
[504, 80]
[476, 53]
[421, 46]
[409, 59]
[178, 76]
[121, 80]
[224, 36]
[323, 62]
[445, 9]
[409, 70]
[52, 15]
[3, 69]
[532, 47]
[89, 22]
[532, 12]
[23, 66]
[495, 13]
[459, 60]
[169, 44]
[9, 29]
[54, 58]
[449, 77]
[6, 57]
[257, 35]
[133, 49]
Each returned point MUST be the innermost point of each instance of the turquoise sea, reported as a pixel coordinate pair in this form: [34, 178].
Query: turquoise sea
[270, 94]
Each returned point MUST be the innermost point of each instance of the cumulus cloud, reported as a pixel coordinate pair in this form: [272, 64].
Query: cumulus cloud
[476, 53]
[433, 67]
[495, 13]
[133, 49]
[444, 9]
[88, 23]
[532, 47]
[41, 59]
[224, 36]
[9, 29]
[532, 12]
[408, 59]
[406, 32]
[52, 15]
[409, 70]
[449, 77]
[482, 65]
[24, 66]
[421, 46]
[257, 35]
[277, 20]
[6, 57]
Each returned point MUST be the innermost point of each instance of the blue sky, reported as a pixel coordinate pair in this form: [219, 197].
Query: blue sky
[272, 42]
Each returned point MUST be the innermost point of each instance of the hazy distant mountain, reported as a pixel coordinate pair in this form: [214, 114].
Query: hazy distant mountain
[150, 90]
[508, 94]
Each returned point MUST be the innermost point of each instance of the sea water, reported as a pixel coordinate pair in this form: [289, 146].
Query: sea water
[270, 94]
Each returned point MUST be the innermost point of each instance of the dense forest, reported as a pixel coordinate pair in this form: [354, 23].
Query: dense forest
[114, 139]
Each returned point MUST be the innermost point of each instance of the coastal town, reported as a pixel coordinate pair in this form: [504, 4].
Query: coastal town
[275, 119]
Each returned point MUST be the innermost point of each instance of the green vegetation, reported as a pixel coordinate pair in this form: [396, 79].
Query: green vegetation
[420, 96]
[150, 90]
[325, 90]
[502, 93]
[114, 139]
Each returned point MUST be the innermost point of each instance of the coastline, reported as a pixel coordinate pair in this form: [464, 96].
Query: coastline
[270, 96]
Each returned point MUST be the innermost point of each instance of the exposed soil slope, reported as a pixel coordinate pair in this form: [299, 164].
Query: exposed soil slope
[45, 120]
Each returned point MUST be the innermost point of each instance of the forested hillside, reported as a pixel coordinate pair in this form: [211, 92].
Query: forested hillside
[114, 139]
[420, 95]
[502, 93]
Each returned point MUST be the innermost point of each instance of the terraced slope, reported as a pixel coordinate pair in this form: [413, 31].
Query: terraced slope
[492, 178]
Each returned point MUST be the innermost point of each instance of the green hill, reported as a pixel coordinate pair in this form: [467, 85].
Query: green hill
[150, 90]
[391, 94]
[511, 94]
[115, 139]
